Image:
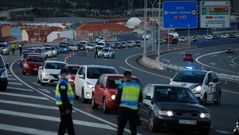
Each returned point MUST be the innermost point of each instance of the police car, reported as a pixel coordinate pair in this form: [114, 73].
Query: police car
[204, 84]
[3, 75]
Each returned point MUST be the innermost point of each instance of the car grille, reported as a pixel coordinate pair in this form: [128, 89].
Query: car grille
[187, 114]
[54, 75]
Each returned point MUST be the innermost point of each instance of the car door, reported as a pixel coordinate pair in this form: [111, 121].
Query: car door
[82, 79]
[215, 87]
[146, 104]
[97, 90]
[78, 82]
[209, 87]
[40, 71]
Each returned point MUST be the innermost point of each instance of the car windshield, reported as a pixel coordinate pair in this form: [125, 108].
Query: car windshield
[72, 69]
[95, 72]
[48, 48]
[114, 82]
[190, 77]
[63, 46]
[174, 94]
[34, 59]
[1, 63]
[55, 65]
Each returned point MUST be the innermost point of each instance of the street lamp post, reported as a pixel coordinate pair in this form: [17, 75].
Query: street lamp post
[159, 26]
[145, 26]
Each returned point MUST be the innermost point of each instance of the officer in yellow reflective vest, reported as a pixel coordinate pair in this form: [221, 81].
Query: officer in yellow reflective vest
[64, 97]
[128, 97]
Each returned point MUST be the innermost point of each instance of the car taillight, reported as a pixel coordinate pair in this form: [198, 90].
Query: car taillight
[25, 65]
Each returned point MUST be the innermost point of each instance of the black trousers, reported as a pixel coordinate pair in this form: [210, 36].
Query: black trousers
[126, 115]
[66, 123]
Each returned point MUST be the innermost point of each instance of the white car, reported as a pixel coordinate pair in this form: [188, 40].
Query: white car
[208, 37]
[224, 35]
[49, 52]
[106, 53]
[89, 47]
[87, 77]
[73, 47]
[204, 84]
[48, 73]
[3, 75]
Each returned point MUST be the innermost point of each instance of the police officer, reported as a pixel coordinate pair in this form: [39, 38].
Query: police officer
[20, 48]
[64, 99]
[128, 97]
[13, 47]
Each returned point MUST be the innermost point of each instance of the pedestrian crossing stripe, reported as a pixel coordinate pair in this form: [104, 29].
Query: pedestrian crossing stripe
[12, 79]
[14, 83]
[24, 96]
[55, 119]
[20, 89]
[25, 130]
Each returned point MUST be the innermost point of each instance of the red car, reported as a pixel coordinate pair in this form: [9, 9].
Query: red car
[31, 63]
[72, 69]
[106, 90]
[188, 57]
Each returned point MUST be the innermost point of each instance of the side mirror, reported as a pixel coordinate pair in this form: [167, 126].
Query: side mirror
[81, 76]
[40, 67]
[147, 97]
[210, 83]
[171, 80]
[101, 86]
[7, 66]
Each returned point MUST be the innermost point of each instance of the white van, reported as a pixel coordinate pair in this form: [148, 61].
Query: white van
[3, 75]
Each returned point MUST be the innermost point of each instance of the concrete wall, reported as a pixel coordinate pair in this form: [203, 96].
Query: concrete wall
[25, 36]
[69, 34]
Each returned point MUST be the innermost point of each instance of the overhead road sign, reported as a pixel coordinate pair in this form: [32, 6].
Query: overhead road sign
[180, 14]
[215, 14]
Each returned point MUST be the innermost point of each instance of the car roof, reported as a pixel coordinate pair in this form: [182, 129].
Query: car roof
[39, 55]
[51, 61]
[166, 85]
[100, 66]
[116, 75]
[73, 65]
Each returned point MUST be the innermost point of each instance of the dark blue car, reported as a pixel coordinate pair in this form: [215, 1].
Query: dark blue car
[63, 48]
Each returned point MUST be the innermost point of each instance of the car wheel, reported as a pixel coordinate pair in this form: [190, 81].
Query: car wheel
[93, 104]
[204, 132]
[83, 100]
[104, 107]
[219, 99]
[24, 73]
[204, 100]
[152, 122]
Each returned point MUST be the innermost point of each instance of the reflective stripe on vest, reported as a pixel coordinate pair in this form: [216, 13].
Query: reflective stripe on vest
[130, 95]
[70, 93]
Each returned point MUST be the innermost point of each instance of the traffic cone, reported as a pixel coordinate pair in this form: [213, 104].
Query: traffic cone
[70, 55]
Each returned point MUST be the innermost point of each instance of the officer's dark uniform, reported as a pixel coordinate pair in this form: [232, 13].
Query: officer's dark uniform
[128, 97]
[64, 99]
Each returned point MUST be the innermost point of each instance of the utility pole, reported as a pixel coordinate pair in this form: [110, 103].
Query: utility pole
[145, 25]
[159, 26]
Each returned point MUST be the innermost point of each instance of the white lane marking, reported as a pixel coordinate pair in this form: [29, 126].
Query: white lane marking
[223, 132]
[51, 98]
[165, 60]
[15, 83]
[212, 63]
[232, 65]
[11, 79]
[20, 89]
[230, 91]
[25, 130]
[233, 61]
[28, 104]
[36, 84]
[24, 96]
[55, 119]
[126, 61]
[9, 75]
[208, 54]
[125, 68]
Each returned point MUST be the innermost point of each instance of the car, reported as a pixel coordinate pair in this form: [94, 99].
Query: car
[138, 43]
[72, 70]
[49, 52]
[49, 71]
[182, 39]
[63, 48]
[3, 74]
[24, 56]
[117, 45]
[4, 50]
[73, 47]
[204, 84]
[236, 35]
[123, 45]
[90, 47]
[40, 50]
[81, 46]
[188, 57]
[236, 130]
[86, 79]
[100, 45]
[224, 35]
[208, 37]
[31, 63]
[105, 91]
[173, 108]
[229, 50]
[106, 53]
[54, 50]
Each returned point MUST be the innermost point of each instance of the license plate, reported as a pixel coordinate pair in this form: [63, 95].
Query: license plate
[188, 122]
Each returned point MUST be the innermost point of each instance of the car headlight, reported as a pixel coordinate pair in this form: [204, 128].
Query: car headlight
[4, 74]
[91, 86]
[25, 65]
[205, 115]
[166, 113]
[197, 89]
[45, 74]
[113, 97]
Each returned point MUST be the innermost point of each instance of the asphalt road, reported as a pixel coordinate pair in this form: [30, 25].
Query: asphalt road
[27, 107]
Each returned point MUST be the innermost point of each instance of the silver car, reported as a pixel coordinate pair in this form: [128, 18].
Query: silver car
[106, 53]
[4, 50]
[73, 47]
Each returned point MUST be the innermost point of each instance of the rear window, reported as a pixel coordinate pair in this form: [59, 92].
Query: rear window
[95, 73]
[190, 77]
[1, 63]
[114, 82]
[73, 69]
[55, 65]
[34, 59]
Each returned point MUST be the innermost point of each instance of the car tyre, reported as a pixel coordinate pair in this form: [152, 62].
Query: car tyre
[104, 107]
[204, 100]
[153, 126]
[219, 99]
[24, 73]
[93, 104]
[204, 132]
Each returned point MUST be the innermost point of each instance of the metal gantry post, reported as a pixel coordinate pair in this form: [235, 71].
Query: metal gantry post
[159, 26]
[189, 35]
[145, 26]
